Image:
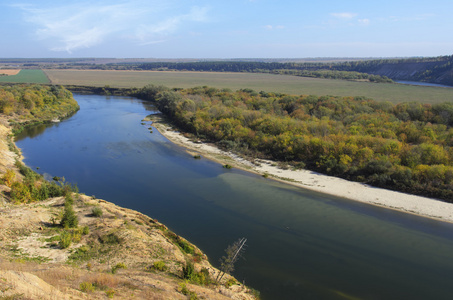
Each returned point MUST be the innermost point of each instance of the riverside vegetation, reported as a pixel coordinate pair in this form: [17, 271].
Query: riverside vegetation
[406, 147]
[86, 247]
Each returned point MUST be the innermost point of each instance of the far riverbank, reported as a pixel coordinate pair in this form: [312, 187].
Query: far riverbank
[423, 206]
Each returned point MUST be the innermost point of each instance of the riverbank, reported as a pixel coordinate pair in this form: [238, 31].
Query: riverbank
[118, 252]
[361, 192]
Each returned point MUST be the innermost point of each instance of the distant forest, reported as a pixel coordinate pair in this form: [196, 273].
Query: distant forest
[434, 69]
[406, 147]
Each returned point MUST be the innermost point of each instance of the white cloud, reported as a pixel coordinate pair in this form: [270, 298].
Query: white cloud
[170, 25]
[344, 15]
[272, 27]
[86, 24]
[364, 21]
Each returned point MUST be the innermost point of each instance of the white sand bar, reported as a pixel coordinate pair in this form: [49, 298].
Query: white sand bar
[422, 206]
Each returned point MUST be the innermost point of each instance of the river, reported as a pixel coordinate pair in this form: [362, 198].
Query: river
[420, 83]
[301, 244]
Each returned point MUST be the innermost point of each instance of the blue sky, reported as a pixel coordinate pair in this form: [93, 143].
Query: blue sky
[225, 29]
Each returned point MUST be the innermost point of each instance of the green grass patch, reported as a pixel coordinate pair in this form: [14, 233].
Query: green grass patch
[20, 256]
[26, 76]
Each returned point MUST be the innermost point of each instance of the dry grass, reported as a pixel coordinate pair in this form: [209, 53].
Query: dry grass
[9, 71]
[104, 280]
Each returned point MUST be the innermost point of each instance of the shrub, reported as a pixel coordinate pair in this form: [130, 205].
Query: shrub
[8, 177]
[68, 198]
[20, 192]
[86, 287]
[110, 293]
[185, 246]
[69, 219]
[230, 282]
[117, 267]
[65, 240]
[188, 270]
[160, 266]
[85, 230]
[97, 212]
[110, 238]
[185, 291]
[202, 277]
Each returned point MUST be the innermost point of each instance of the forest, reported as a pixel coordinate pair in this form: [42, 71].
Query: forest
[317, 70]
[29, 103]
[26, 105]
[426, 69]
[406, 147]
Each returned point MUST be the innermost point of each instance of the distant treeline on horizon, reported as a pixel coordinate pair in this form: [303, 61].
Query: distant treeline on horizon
[423, 69]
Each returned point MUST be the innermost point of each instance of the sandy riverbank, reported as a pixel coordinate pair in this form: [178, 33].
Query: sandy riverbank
[422, 206]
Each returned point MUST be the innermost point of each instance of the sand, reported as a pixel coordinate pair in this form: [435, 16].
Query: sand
[423, 206]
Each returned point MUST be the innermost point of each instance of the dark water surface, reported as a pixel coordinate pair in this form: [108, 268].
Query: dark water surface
[423, 83]
[301, 244]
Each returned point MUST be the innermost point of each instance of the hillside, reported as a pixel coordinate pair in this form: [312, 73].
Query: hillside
[109, 251]
[433, 70]
[125, 254]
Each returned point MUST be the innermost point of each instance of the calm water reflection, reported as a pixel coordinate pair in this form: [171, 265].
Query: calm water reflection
[302, 245]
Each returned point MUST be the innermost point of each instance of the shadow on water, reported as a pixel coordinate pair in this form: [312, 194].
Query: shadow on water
[301, 244]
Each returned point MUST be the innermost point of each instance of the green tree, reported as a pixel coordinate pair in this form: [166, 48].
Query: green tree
[69, 219]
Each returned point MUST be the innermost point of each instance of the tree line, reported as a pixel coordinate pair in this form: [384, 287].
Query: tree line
[406, 147]
[36, 102]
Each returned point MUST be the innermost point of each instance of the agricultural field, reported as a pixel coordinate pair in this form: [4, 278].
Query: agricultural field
[26, 76]
[9, 71]
[394, 93]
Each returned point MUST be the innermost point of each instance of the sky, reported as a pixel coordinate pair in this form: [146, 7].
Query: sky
[225, 29]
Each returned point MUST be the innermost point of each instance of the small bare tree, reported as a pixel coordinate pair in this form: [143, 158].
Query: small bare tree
[233, 252]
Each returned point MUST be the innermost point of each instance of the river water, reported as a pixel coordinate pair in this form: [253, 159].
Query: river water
[301, 244]
[423, 83]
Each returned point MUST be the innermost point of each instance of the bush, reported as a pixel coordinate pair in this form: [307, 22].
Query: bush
[117, 267]
[86, 287]
[231, 282]
[65, 240]
[188, 270]
[85, 230]
[185, 246]
[110, 293]
[97, 212]
[111, 239]
[202, 277]
[68, 198]
[185, 291]
[20, 192]
[160, 266]
[69, 219]
[8, 177]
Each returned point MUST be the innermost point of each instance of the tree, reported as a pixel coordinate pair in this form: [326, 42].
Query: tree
[233, 252]
[69, 219]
